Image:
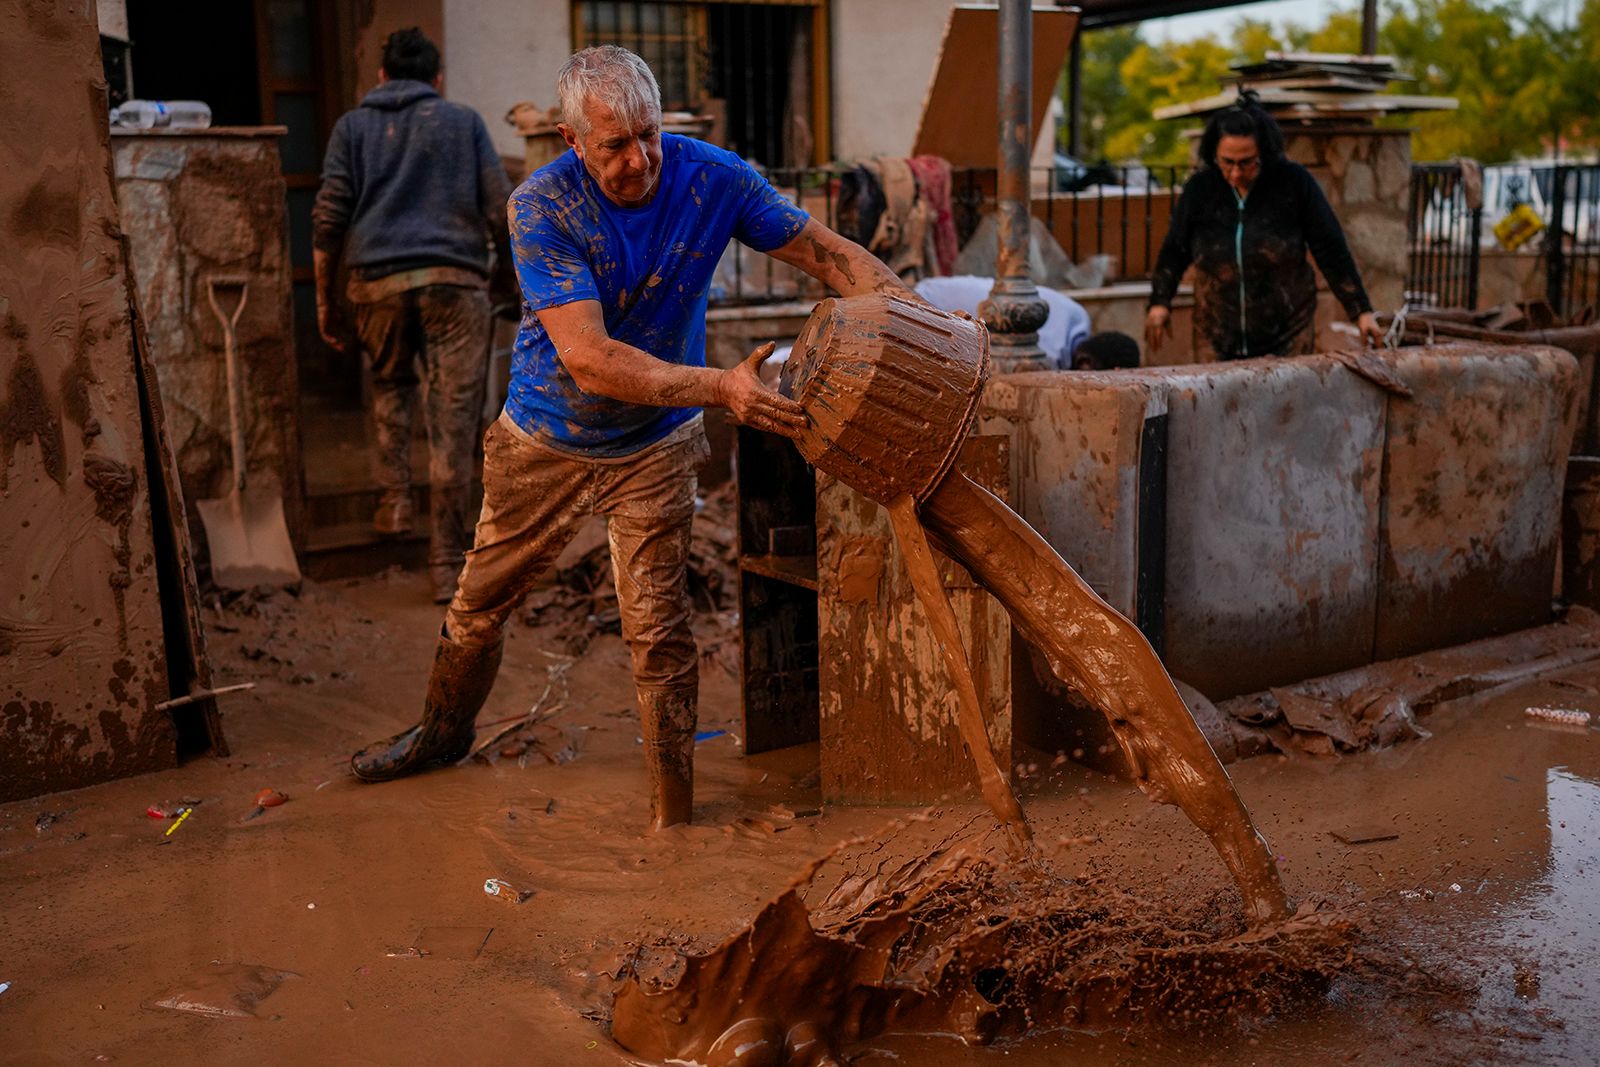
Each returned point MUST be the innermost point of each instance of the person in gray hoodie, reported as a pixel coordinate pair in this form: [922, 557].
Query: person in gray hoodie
[412, 210]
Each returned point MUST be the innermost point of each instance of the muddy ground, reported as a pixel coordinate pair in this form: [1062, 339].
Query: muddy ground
[1479, 918]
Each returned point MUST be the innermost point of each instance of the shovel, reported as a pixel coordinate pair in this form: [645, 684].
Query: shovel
[245, 531]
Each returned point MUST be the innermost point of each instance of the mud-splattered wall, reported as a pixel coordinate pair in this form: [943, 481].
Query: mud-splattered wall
[197, 204]
[1313, 521]
[82, 660]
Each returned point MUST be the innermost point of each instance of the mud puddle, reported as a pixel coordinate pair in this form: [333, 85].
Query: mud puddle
[101, 919]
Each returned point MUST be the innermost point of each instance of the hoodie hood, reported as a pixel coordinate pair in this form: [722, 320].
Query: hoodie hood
[398, 93]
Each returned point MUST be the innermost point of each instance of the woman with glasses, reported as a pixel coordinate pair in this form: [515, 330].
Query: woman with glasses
[1245, 221]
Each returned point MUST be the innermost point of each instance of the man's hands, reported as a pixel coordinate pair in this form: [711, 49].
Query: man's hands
[1157, 327]
[1367, 327]
[331, 324]
[752, 403]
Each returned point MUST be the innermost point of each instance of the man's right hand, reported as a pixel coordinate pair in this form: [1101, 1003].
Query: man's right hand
[330, 324]
[1157, 327]
[755, 405]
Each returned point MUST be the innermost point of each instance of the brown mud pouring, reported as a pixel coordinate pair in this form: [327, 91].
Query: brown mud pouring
[891, 389]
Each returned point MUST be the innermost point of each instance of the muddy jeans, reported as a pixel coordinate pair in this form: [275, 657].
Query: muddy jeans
[445, 330]
[534, 500]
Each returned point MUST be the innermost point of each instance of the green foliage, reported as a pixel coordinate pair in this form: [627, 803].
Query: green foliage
[1527, 76]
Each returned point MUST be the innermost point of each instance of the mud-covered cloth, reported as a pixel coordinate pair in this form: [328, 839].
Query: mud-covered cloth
[649, 268]
[410, 179]
[427, 344]
[1255, 291]
[534, 500]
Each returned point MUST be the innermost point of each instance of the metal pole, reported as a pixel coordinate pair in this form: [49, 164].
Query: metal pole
[1075, 98]
[1014, 311]
[1369, 27]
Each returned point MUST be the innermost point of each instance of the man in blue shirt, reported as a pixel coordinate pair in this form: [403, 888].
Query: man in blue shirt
[615, 244]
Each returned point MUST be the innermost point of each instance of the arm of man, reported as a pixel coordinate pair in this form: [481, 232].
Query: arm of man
[840, 263]
[600, 364]
[330, 219]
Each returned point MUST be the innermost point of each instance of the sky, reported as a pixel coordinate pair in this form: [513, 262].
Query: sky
[1304, 12]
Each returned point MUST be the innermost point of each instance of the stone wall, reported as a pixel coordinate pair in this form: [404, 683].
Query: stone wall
[196, 205]
[1366, 174]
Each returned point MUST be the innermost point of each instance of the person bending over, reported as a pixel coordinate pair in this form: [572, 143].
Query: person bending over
[615, 243]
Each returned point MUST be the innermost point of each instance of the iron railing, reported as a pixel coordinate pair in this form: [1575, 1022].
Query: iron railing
[1118, 212]
[1572, 242]
[1443, 236]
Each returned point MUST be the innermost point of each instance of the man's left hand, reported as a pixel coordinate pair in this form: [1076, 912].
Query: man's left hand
[754, 404]
[1367, 327]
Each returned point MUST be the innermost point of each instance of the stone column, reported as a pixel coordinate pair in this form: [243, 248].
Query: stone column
[1366, 173]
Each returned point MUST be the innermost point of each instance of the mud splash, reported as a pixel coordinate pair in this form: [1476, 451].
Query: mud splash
[957, 941]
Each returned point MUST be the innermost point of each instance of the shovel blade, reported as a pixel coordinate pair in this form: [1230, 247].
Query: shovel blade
[249, 541]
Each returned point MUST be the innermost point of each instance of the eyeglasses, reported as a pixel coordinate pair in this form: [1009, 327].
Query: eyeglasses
[1241, 166]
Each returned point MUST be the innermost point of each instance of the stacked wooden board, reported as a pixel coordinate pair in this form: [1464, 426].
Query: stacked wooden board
[1315, 87]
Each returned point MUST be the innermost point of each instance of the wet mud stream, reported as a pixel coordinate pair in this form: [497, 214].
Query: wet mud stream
[961, 942]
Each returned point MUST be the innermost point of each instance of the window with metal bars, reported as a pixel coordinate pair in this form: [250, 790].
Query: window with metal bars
[752, 66]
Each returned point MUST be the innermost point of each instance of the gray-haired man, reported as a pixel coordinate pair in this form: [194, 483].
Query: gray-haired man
[615, 244]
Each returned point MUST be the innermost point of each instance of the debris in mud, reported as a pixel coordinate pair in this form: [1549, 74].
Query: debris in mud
[266, 798]
[1379, 704]
[500, 889]
[452, 942]
[47, 819]
[1365, 835]
[232, 992]
[581, 601]
[1560, 716]
[959, 941]
[526, 735]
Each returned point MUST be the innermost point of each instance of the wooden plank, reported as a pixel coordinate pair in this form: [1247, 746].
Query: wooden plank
[82, 645]
[199, 723]
[960, 116]
[888, 712]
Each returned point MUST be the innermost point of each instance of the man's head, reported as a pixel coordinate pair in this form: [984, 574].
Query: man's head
[611, 116]
[408, 55]
[1109, 350]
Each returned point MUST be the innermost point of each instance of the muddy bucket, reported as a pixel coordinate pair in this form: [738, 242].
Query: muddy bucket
[891, 387]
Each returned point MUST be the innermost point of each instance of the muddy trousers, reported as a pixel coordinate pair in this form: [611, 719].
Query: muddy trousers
[534, 501]
[429, 344]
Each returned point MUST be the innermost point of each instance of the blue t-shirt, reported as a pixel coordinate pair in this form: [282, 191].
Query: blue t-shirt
[650, 268]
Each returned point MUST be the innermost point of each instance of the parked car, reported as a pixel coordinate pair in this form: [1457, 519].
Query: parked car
[1071, 175]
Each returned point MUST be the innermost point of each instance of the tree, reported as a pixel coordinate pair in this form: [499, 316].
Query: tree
[1527, 81]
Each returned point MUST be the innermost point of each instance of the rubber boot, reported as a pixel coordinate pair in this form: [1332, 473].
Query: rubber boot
[461, 679]
[447, 549]
[668, 718]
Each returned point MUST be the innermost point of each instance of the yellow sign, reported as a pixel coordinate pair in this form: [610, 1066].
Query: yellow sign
[1517, 227]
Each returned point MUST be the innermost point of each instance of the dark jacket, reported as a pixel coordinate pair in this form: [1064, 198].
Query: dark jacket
[1265, 237]
[410, 180]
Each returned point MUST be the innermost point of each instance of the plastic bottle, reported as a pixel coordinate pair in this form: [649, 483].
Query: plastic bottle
[149, 114]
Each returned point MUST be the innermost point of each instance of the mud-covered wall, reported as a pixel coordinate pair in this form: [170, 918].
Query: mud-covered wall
[1314, 520]
[887, 706]
[198, 205]
[82, 659]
